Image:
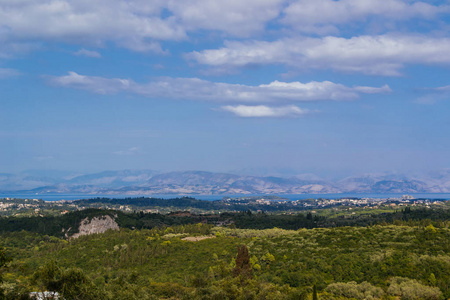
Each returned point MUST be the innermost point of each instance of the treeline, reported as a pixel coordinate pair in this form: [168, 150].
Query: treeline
[50, 225]
[67, 224]
[406, 216]
[189, 202]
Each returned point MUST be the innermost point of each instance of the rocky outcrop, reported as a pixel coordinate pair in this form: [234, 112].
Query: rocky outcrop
[95, 225]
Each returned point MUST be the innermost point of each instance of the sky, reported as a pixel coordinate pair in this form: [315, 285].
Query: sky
[257, 86]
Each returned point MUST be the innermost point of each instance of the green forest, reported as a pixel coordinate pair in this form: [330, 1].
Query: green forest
[398, 255]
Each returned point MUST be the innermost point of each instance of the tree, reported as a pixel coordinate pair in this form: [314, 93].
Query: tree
[243, 266]
[432, 279]
[430, 229]
[315, 293]
[3, 261]
[48, 277]
[70, 283]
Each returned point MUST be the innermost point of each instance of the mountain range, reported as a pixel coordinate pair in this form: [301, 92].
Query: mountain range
[148, 182]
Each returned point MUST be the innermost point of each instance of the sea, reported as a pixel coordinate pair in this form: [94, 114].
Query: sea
[292, 197]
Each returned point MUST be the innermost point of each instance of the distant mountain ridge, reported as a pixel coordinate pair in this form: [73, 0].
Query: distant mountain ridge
[148, 182]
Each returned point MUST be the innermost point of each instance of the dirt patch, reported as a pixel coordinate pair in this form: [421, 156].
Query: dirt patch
[197, 238]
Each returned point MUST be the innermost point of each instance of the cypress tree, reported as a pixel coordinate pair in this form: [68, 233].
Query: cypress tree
[243, 266]
[315, 293]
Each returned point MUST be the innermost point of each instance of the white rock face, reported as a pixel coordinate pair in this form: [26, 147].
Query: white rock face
[96, 225]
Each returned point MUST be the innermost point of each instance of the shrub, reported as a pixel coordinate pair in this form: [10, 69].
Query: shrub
[351, 289]
[412, 289]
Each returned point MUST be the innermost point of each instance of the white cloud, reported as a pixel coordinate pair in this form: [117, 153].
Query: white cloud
[322, 16]
[259, 111]
[375, 55]
[198, 89]
[97, 85]
[319, 90]
[235, 17]
[88, 53]
[371, 90]
[138, 25]
[135, 24]
[443, 89]
[434, 95]
[6, 73]
[9, 49]
[129, 151]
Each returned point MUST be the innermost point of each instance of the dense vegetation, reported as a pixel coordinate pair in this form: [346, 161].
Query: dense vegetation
[406, 216]
[285, 264]
[67, 224]
[399, 255]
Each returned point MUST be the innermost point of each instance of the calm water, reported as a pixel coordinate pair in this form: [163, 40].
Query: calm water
[56, 197]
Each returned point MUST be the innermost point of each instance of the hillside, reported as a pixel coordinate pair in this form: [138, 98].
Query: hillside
[348, 262]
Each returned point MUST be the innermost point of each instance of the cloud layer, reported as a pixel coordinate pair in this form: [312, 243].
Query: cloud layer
[233, 17]
[328, 16]
[375, 55]
[141, 25]
[137, 25]
[298, 35]
[198, 89]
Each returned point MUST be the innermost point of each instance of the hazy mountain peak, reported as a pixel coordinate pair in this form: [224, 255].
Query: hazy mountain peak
[206, 182]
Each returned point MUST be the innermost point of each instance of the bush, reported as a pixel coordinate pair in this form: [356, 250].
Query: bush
[353, 290]
[71, 283]
[411, 289]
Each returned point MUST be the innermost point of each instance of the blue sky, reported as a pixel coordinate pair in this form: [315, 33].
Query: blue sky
[325, 87]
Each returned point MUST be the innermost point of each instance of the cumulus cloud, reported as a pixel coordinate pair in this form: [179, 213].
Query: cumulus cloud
[324, 16]
[259, 111]
[98, 85]
[135, 24]
[88, 53]
[138, 25]
[375, 55]
[198, 89]
[6, 73]
[234, 17]
[142, 25]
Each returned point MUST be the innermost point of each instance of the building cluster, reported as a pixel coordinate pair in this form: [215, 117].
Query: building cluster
[9, 204]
